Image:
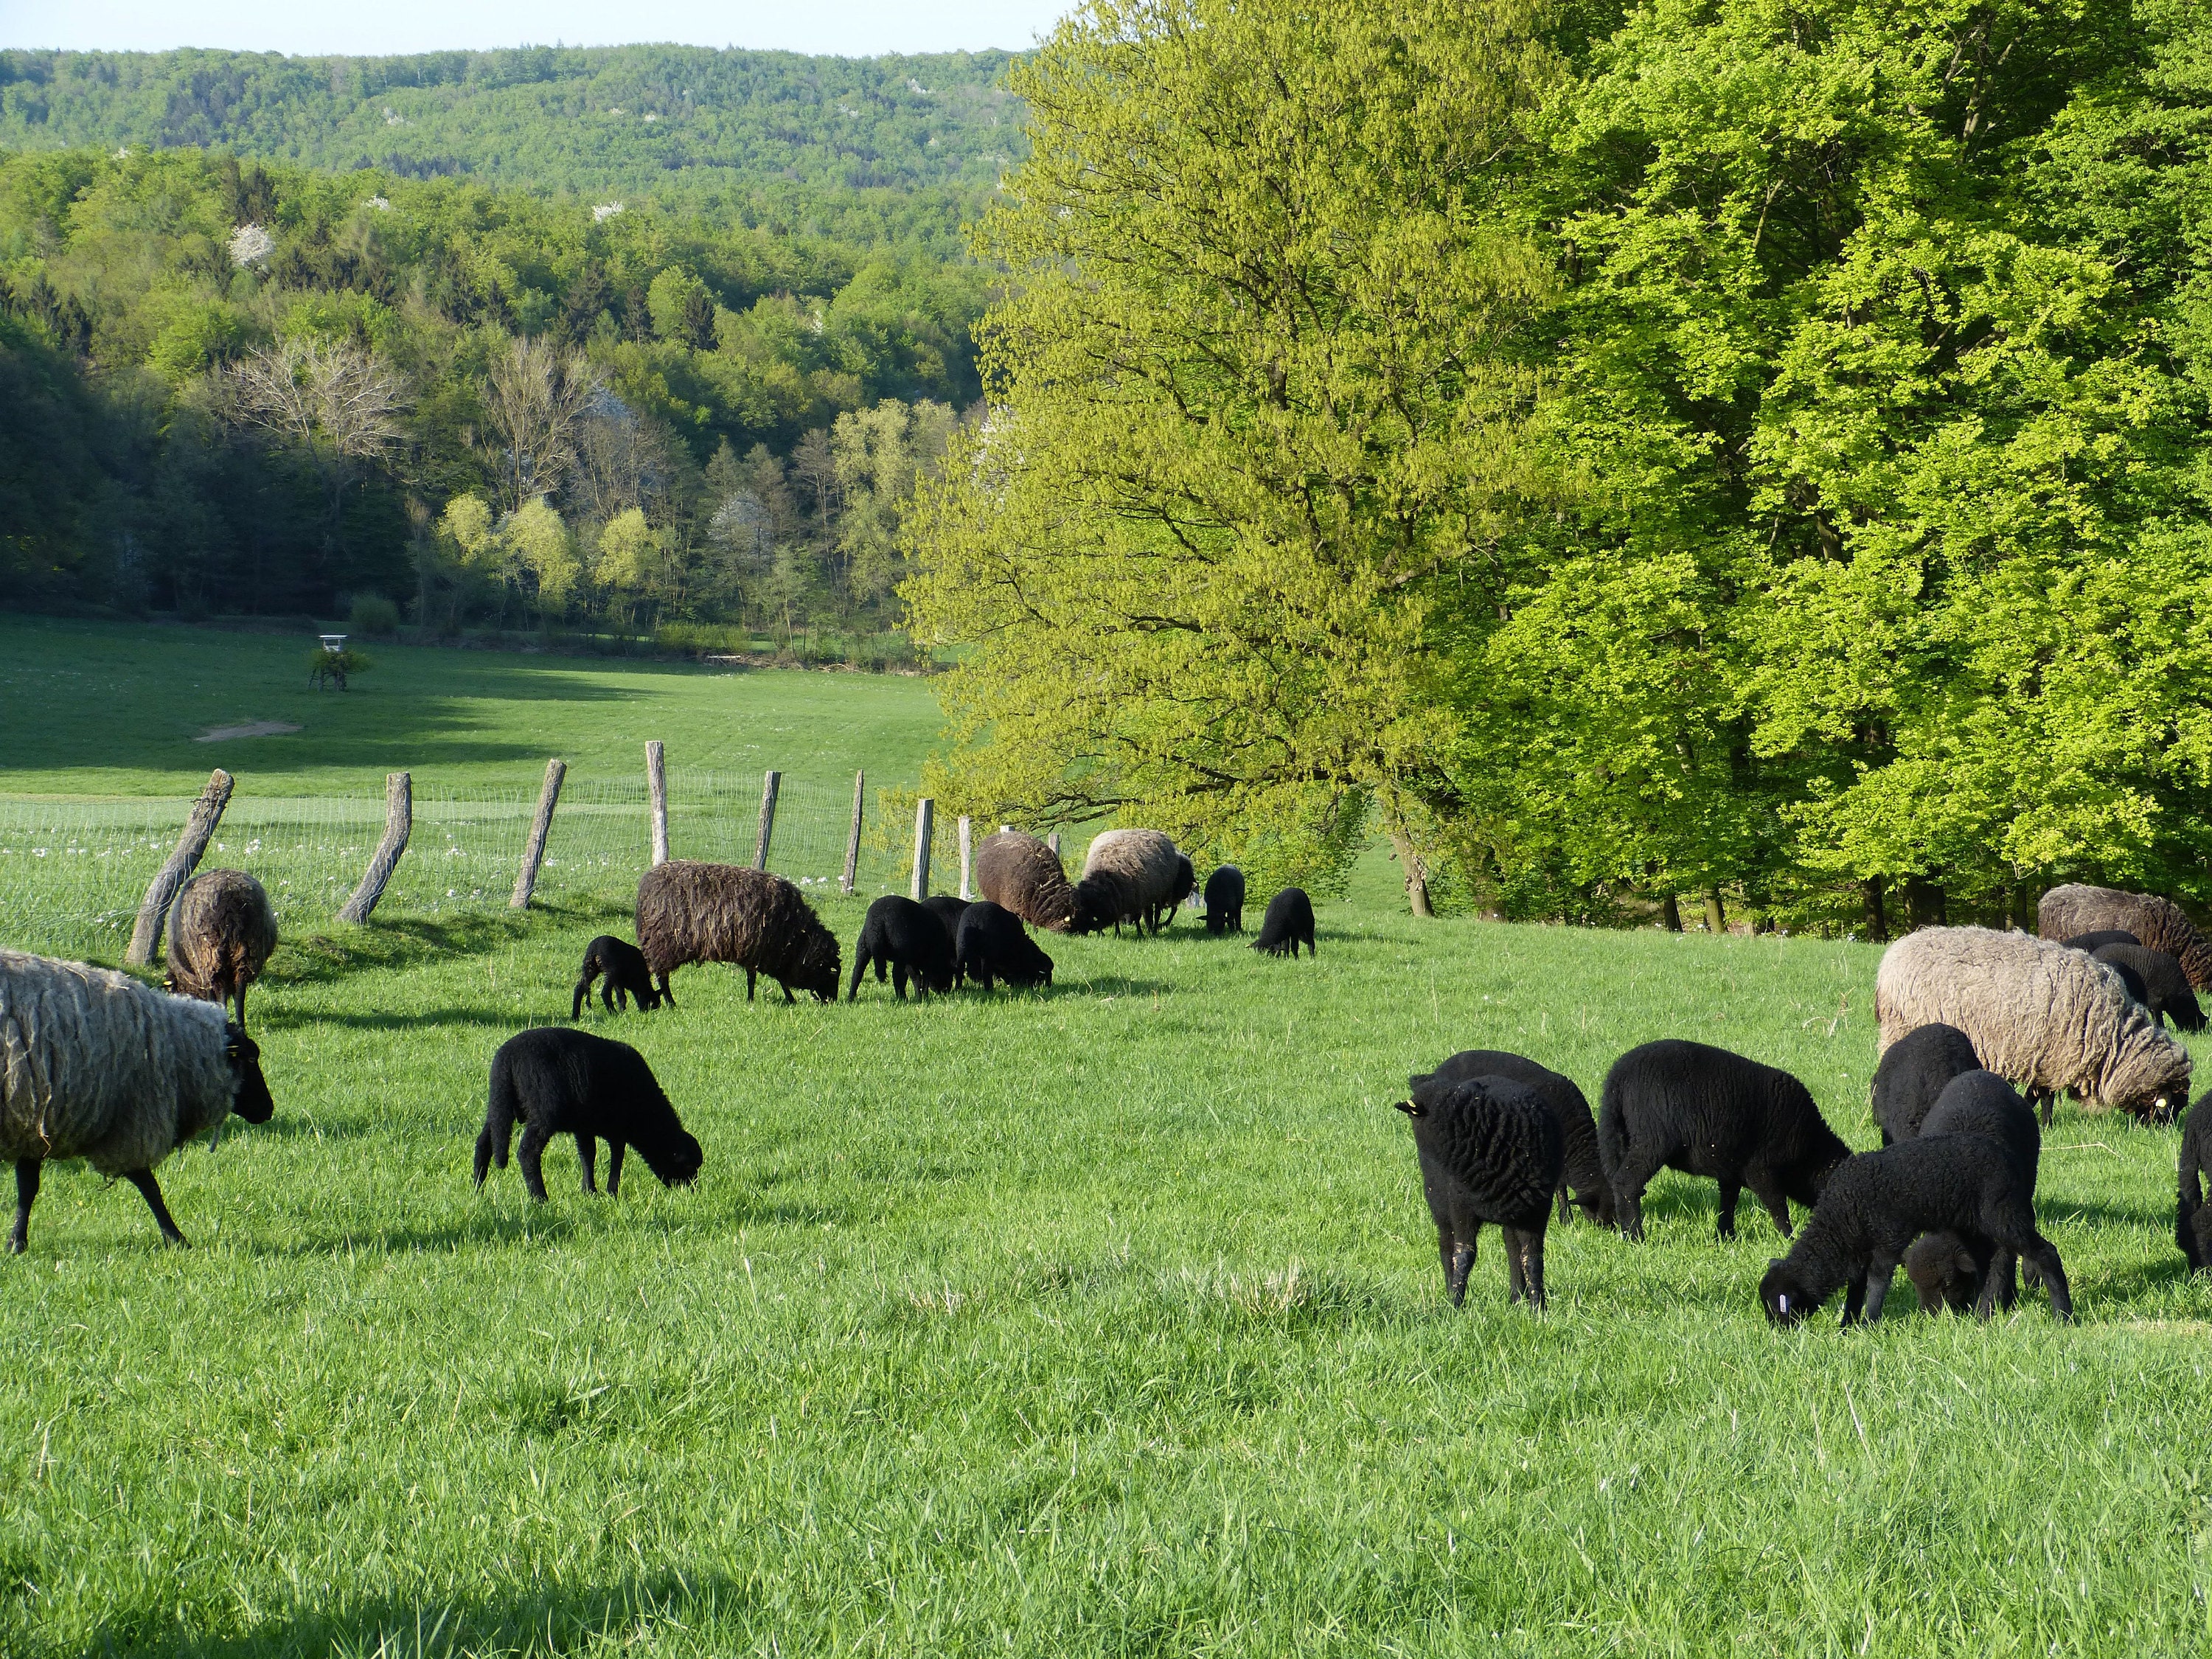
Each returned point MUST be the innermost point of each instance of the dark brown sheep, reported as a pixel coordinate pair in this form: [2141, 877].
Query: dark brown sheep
[693, 912]
[2068, 912]
[1022, 874]
[222, 931]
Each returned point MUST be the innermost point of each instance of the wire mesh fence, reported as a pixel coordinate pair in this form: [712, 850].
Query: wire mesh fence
[74, 868]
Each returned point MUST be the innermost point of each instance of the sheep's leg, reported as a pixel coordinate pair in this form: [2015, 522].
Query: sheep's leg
[1879, 1271]
[787, 997]
[529, 1154]
[1629, 1181]
[1461, 1265]
[1516, 1283]
[666, 995]
[583, 994]
[2047, 1101]
[898, 980]
[27, 1193]
[1531, 1274]
[2040, 1250]
[1565, 1202]
[614, 1150]
[1724, 1217]
[241, 1007]
[860, 973]
[587, 1155]
[749, 984]
[1855, 1296]
[1775, 1201]
[150, 1190]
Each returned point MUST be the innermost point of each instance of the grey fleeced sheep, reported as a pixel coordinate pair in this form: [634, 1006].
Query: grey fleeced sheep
[2165, 989]
[2066, 911]
[1582, 1176]
[1128, 875]
[222, 931]
[693, 912]
[2040, 1016]
[1490, 1151]
[95, 1065]
[1911, 1074]
[1022, 874]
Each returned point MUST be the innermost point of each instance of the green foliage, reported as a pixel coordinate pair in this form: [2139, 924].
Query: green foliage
[328, 667]
[373, 615]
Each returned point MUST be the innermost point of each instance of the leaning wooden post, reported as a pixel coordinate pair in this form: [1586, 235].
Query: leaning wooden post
[398, 822]
[154, 908]
[924, 817]
[853, 841]
[768, 786]
[967, 855]
[656, 783]
[533, 855]
[1053, 842]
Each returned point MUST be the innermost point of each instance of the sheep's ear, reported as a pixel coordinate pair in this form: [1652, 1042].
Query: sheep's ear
[1411, 1110]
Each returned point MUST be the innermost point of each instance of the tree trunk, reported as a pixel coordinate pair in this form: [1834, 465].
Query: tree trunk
[1417, 875]
[1716, 914]
[161, 892]
[1873, 892]
[1924, 902]
[1670, 912]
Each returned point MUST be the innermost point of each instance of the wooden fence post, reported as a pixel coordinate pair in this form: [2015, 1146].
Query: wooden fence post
[398, 823]
[967, 855]
[853, 841]
[924, 818]
[533, 853]
[1053, 842]
[656, 783]
[768, 786]
[161, 892]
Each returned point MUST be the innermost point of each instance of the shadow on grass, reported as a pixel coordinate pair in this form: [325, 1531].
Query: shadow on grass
[495, 1018]
[559, 1219]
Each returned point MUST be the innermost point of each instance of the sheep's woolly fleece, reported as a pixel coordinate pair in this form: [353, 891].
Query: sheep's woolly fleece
[2040, 1016]
[94, 1065]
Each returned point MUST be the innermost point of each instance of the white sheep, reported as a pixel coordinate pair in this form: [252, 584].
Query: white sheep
[2038, 1015]
[95, 1065]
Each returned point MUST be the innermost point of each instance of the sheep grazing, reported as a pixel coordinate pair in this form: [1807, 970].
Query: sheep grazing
[2192, 1216]
[2092, 942]
[1583, 1171]
[1878, 1204]
[1288, 924]
[1225, 901]
[627, 977]
[1128, 875]
[1977, 1103]
[2159, 983]
[95, 1065]
[908, 939]
[1186, 884]
[554, 1081]
[1911, 1074]
[1022, 874]
[1944, 1273]
[1704, 1111]
[222, 930]
[994, 947]
[693, 912]
[2040, 1015]
[1491, 1152]
[2068, 912]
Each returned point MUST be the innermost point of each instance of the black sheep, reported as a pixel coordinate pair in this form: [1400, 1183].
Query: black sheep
[1289, 921]
[994, 946]
[1704, 1111]
[910, 939]
[2192, 1216]
[554, 1081]
[948, 911]
[627, 976]
[2166, 991]
[1944, 1273]
[1974, 1103]
[1879, 1203]
[1185, 884]
[1225, 901]
[2099, 939]
[1911, 1074]
[1491, 1152]
[1583, 1172]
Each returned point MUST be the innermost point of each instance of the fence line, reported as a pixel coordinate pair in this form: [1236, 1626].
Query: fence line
[73, 869]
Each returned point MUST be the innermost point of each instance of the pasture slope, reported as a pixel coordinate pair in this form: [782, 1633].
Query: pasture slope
[1102, 1321]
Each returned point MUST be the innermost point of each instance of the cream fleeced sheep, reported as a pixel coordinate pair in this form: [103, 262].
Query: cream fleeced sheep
[2038, 1015]
[95, 1065]
[1128, 875]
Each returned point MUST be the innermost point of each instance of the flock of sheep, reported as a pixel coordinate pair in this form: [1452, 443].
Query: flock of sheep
[1978, 1028]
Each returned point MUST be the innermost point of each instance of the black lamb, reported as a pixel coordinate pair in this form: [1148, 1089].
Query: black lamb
[2102, 937]
[947, 910]
[1185, 884]
[2192, 1216]
[994, 946]
[554, 1081]
[1225, 901]
[1704, 1111]
[2166, 990]
[1289, 922]
[1973, 1103]
[909, 940]
[1911, 1074]
[1583, 1172]
[1490, 1151]
[1878, 1203]
[627, 976]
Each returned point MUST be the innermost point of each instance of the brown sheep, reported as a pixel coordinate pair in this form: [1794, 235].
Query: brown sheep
[2157, 923]
[692, 912]
[222, 931]
[1021, 873]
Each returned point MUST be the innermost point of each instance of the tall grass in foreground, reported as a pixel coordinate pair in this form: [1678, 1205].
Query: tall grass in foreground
[1102, 1321]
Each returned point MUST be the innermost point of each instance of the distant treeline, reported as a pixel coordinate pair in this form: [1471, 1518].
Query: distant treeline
[232, 387]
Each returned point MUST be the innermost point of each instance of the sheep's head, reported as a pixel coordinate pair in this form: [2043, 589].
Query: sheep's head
[250, 1097]
[1786, 1300]
[677, 1163]
[818, 961]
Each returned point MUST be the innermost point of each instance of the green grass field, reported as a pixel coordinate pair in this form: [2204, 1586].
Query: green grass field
[1101, 1321]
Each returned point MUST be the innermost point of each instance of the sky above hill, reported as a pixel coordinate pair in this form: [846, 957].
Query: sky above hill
[847, 27]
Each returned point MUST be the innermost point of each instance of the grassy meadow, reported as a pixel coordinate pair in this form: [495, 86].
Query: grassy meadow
[1102, 1319]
